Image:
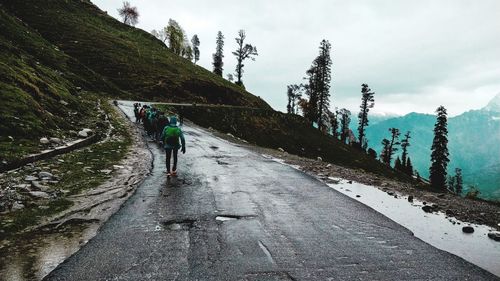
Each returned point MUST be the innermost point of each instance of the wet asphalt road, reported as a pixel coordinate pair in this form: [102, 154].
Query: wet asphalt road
[232, 214]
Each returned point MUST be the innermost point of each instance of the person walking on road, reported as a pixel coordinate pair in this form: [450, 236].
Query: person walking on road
[170, 136]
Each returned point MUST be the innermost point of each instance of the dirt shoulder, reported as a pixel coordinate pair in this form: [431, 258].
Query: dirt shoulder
[84, 186]
[464, 209]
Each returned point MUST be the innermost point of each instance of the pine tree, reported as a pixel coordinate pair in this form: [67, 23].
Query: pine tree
[389, 146]
[367, 102]
[345, 120]
[289, 95]
[219, 55]
[334, 123]
[397, 164]
[409, 167]
[439, 154]
[243, 52]
[459, 181]
[294, 93]
[455, 183]
[195, 41]
[324, 75]
[372, 153]
[405, 143]
[318, 88]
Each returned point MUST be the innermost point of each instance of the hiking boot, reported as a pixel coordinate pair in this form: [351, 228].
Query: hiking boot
[174, 173]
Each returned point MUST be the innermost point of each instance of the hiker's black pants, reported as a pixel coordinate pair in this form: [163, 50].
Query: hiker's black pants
[169, 152]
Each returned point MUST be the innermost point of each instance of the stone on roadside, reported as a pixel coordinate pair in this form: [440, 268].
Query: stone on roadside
[45, 175]
[281, 149]
[427, 209]
[410, 198]
[39, 194]
[329, 165]
[319, 159]
[39, 186]
[84, 133]
[56, 140]
[106, 171]
[495, 236]
[63, 102]
[23, 187]
[17, 206]
[118, 167]
[468, 229]
[44, 141]
[30, 178]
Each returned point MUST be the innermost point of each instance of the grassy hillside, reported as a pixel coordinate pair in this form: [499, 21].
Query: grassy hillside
[58, 58]
[132, 59]
[39, 89]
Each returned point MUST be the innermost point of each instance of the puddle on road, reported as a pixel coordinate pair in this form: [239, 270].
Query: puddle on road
[33, 256]
[433, 228]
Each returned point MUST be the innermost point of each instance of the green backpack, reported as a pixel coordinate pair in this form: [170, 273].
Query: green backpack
[172, 135]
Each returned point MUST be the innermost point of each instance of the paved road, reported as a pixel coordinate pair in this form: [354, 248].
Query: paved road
[235, 215]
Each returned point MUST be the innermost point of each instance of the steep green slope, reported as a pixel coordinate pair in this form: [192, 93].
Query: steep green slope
[39, 89]
[132, 59]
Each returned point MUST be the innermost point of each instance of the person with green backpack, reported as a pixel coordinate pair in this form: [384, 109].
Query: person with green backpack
[170, 137]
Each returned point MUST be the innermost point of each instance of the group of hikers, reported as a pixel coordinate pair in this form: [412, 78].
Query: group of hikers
[163, 130]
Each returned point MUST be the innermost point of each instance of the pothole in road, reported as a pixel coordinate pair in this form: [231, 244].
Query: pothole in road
[223, 218]
[213, 147]
[184, 224]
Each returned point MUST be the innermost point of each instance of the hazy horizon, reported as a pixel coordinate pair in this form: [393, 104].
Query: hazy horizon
[414, 55]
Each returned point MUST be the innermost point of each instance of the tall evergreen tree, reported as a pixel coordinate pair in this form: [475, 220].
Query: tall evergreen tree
[459, 181]
[367, 102]
[345, 120]
[397, 164]
[195, 41]
[219, 55]
[405, 143]
[318, 88]
[439, 154]
[390, 146]
[456, 182]
[310, 107]
[323, 86]
[243, 52]
[409, 167]
[334, 123]
[294, 93]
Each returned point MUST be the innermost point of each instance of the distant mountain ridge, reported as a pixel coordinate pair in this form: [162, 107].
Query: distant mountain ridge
[474, 144]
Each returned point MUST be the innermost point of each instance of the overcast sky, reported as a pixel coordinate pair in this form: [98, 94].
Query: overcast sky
[415, 55]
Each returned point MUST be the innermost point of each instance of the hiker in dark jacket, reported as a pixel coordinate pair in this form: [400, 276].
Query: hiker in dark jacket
[162, 122]
[170, 136]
